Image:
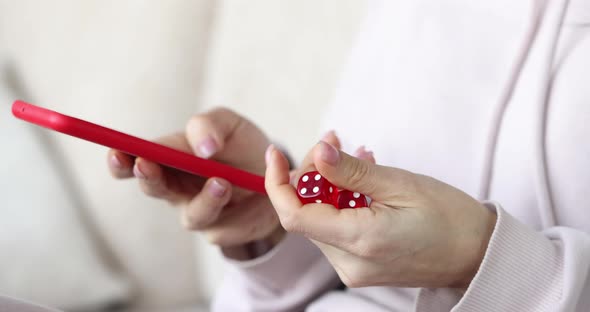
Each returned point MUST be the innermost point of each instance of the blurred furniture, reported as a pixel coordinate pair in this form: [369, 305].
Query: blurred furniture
[74, 238]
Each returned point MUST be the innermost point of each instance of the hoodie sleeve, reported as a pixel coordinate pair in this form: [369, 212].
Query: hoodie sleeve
[14, 305]
[523, 270]
[286, 278]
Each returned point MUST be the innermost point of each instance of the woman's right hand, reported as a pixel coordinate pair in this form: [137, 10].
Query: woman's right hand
[230, 217]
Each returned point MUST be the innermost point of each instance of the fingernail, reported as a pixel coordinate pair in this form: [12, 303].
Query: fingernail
[359, 151]
[115, 162]
[138, 173]
[216, 189]
[268, 152]
[328, 134]
[329, 153]
[362, 153]
[207, 148]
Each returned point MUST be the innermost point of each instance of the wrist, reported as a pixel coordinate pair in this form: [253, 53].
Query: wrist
[255, 249]
[479, 249]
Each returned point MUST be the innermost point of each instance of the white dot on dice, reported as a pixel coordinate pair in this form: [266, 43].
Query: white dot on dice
[305, 178]
[330, 189]
[316, 189]
[319, 201]
[303, 191]
[356, 195]
[352, 203]
[318, 177]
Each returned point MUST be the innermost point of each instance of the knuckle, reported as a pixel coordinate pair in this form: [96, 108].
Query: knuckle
[367, 249]
[198, 123]
[290, 223]
[414, 184]
[367, 242]
[187, 224]
[151, 190]
[193, 221]
[360, 173]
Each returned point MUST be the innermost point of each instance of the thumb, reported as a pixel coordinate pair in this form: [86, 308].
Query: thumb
[331, 138]
[363, 176]
[228, 137]
[208, 132]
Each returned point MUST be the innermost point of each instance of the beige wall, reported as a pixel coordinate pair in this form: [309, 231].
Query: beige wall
[145, 67]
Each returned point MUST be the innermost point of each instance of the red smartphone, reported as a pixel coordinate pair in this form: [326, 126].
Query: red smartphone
[137, 147]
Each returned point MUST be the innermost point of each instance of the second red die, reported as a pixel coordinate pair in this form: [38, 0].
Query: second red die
[349, 199]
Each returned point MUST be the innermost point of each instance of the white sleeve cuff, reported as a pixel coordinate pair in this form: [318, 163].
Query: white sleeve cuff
[521, 269]
[294, 260]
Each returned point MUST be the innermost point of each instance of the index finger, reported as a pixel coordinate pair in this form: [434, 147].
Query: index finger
[121, 164]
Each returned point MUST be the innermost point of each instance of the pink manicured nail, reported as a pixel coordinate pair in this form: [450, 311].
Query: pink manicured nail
[207, 148]
[216, 189]
[362, 153]
[115, 162]
[268, 152]
[359, 151]
[328, 134]
[329, 153]
[138, 173]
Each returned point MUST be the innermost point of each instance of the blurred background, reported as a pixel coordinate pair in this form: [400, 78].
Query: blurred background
[72, 237]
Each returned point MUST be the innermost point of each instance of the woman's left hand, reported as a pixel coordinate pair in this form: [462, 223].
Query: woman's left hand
[417, 232]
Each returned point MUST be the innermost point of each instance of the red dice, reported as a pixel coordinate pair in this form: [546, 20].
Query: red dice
[314, 188]
[348, 199]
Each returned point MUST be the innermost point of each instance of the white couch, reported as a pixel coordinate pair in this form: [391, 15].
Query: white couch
[71, 236]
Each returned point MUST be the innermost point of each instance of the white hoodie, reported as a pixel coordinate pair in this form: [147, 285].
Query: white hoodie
[492, 97]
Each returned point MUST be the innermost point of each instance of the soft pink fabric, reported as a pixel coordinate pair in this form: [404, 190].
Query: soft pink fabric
[491, 97]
